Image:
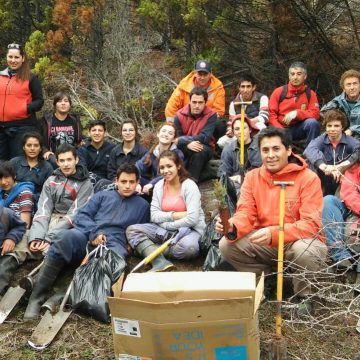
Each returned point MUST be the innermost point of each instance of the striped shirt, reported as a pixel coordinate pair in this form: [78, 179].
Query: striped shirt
[22, 203]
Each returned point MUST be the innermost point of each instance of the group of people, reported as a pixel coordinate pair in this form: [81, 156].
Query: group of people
[52, 199]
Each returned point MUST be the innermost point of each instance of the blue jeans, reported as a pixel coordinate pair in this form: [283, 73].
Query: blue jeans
[11, 140]
[308, 129]
[334, 215]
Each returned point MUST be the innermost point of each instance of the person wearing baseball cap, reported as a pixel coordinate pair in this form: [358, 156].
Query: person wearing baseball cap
[203, 77]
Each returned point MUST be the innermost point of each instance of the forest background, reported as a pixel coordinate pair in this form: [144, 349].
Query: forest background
[122, 59]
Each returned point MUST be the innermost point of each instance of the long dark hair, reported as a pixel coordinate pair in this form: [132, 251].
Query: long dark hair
[23, 73]
[172, 155]
[147, 160]
[134, 124]
[38, 137]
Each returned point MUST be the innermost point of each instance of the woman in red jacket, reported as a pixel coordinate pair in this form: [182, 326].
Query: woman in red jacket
[20, 97]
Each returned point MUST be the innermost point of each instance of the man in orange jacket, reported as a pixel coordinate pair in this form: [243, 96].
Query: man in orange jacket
[295, 107]
[202, 77]
[251, 244]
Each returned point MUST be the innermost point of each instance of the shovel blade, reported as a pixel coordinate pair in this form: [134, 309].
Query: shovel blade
[9, 301]
[47, 329]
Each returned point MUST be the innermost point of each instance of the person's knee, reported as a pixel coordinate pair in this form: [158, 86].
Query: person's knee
[312, 124]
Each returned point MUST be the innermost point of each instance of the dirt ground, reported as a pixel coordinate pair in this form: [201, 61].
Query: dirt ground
[85, 338]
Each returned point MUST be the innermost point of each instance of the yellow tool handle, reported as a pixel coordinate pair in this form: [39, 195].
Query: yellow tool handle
[236, 103]
[157, 252]
[242, 142]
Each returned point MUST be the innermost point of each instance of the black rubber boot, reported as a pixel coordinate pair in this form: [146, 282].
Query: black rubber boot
[53, 302]
[145, 248]
[8, 265]
[43, 283]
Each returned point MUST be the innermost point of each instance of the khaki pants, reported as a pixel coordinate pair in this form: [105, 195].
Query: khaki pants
[22, 252]
[304, 257]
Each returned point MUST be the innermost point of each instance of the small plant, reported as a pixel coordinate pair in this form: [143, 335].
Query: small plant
[220, 193]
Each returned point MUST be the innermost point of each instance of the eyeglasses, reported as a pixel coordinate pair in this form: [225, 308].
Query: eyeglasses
[14, 46]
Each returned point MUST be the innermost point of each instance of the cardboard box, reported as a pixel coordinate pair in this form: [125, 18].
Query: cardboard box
[187, 316]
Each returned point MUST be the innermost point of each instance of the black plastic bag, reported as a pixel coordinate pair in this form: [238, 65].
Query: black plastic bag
[92, 284]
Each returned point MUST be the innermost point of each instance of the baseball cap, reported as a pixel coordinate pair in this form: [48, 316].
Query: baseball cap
[203, 65]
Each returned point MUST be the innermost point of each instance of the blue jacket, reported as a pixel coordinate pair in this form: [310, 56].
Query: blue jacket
[230, 158]
[11, 226]
[118, 157]
[37, 175]
[352, 113]
[96, 160]
[320, 150]
[108, 213]
[150, 174]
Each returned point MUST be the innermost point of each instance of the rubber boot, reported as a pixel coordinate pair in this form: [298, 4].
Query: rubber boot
[53, 302]
[43, 283]
[8, 265]
[145, 248]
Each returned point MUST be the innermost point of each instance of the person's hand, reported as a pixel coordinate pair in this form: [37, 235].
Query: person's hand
[261, 237]
[289, 117]
[147, 188]
[195, 146]
[219, 228]
[7, 246]
[348, 132]
[138, 189]
[39, 246]
[47, 155]
[100, 239]
[176, 215]
[336, 173]
[229, 132]
[254, 121]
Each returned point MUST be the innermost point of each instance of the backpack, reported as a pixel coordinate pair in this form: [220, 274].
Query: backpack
[285, 90]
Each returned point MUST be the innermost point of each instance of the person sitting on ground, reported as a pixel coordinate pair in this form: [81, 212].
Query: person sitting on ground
[175, 211]
[12, 229]
[103, 220]
[195, 124]
[15, 195]
[338, 216]
[257, 112]
[328, 151]
[148, 164]
[230, 156]
[31, 166]
[128, 151]
[252, 241]
[95, 154]
[63, 193]
[60, 127]
[348, 101]
[295, 107]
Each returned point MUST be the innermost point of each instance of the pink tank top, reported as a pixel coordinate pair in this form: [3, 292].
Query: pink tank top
[172, 202]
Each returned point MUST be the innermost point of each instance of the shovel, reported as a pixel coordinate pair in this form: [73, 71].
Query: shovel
[12, 297]
[50, 325]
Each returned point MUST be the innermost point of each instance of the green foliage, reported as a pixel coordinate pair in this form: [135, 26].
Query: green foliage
[41, 67]
[35, 46]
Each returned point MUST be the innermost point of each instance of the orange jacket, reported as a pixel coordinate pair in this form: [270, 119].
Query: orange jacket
[349, 190]
[258, 206]
[180, 96]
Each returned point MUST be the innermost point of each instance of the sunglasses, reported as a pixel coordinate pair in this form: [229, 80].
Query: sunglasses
[14, 46]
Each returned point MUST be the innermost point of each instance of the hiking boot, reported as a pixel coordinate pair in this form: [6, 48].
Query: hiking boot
[145, 248]
[43, 283]
[8, 265]
[53, 302]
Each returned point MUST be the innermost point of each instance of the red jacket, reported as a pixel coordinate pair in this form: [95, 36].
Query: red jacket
[295, 99]
[258, 206]
[19, 100]
[349, 191]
